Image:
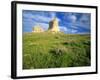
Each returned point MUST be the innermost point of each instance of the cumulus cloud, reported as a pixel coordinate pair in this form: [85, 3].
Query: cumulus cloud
[36, 17]
[68, 22]
[84, 21]
[73, 18]
[53, 14]
[63, 28]
[74, 31]
[44, 26]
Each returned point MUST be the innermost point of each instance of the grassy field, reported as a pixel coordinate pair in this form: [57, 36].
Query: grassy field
[49, 50]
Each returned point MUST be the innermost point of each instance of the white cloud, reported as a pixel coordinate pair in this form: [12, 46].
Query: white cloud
[84, 18]
[73, 27]
[40, 17]
[67, 30]
[82, 25]
[73, 18]
[84, 21]
[53, 14]
[44, 26]
[63, 28]
[73, 31]
[27, 15]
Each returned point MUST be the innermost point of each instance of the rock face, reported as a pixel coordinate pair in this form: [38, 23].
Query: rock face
[54, 25]
[37, 29]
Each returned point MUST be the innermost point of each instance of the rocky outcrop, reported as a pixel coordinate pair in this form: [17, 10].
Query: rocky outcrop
[54, 25]
[37, 29]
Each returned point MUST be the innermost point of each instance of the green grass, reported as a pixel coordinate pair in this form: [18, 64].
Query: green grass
[54, 50]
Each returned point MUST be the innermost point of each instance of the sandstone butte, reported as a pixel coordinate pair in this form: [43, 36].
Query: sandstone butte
[53, 27]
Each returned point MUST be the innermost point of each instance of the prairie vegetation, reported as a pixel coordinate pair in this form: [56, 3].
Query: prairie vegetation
[48, 50]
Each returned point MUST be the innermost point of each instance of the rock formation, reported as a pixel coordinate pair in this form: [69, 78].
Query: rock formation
[37, 29]
[54, 25]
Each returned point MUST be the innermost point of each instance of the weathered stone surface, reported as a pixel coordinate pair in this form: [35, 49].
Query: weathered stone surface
[37, 29]
[54, 25]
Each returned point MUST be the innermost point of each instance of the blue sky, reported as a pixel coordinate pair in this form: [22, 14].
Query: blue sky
[69, 22]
